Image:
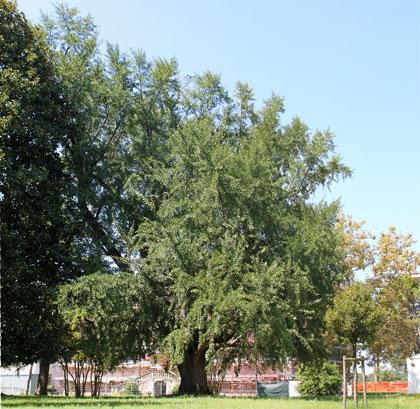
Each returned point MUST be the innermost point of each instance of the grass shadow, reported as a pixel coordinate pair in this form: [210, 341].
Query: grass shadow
[62, 402]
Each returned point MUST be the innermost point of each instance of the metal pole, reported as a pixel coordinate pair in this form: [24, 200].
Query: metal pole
[344, 383]
[364, 384]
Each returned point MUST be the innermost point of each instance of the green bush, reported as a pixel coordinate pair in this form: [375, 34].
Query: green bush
[392, 375]
[131, 388]
[319, 379]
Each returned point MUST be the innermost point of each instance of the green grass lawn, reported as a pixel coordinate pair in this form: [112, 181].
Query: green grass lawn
[389, 402]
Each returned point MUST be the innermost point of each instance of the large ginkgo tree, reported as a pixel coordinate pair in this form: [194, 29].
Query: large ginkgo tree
[247, 259]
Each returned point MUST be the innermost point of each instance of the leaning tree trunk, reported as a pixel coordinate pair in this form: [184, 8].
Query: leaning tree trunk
[193, 372]
[28, 384]
[44, 368]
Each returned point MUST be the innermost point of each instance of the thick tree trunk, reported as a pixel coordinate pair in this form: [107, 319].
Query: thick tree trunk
[193, 372]
[44, 368]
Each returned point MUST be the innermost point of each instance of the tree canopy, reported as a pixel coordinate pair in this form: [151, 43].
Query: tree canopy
[121, 109]
[236, 241]
[354, 317]
[35, 231]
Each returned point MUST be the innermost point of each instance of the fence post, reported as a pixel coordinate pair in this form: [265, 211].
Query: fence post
[344, 383]
[364, 384]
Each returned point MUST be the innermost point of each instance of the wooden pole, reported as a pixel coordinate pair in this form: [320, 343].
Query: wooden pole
[344, 383]
[355, 383]
[364, 384]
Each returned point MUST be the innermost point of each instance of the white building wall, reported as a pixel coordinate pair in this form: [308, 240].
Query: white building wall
[13, 380]
[413, 372]
[294, 389]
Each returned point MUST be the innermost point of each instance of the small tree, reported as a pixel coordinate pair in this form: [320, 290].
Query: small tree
[108, 319]
[398, 296]
[393, 260]
[397, 335]
[319, 379]
[354, 317]
[131, 388]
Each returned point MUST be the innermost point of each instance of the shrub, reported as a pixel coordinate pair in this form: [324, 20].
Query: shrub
[131, 388]
[319, 379]
[392, 375]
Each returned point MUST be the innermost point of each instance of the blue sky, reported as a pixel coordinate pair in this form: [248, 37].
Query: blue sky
[352, 66]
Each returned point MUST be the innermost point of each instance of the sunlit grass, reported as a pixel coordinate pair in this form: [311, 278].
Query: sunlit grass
[389, 402]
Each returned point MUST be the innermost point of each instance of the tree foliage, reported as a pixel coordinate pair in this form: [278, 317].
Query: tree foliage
[106, 319]
[394, 291]
[236, 241]
[320, 378]
[354, 316]
[398, 335]
[398, 296]
[34, 231]
[121, 109]
[396, 256]
[357, 247]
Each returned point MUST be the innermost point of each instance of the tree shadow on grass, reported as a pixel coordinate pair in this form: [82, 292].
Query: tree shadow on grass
[62, 402]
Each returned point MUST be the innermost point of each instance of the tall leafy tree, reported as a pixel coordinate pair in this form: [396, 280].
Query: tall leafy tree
[121, 109]
[398, 335]
[32, 184]
[395, 257]
[200, 194]
[398, 296]
[35, 231]
[248, 263]
[357, 246]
